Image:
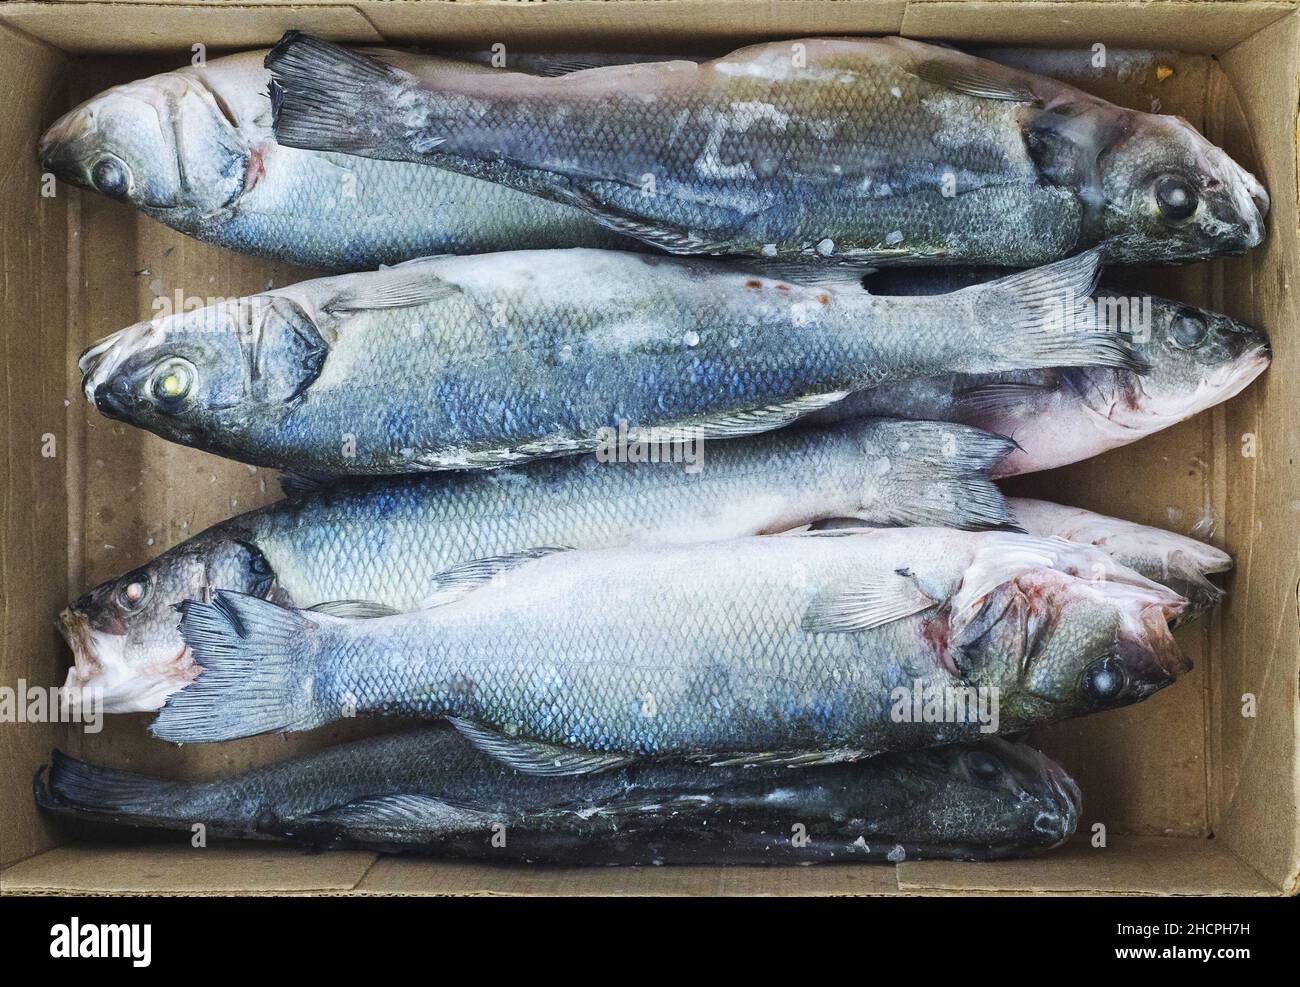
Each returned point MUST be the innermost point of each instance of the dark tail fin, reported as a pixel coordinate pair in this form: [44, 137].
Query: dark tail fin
[79, 784]
[328, 98]
[946, 477]
[75, 789]
[258, 676]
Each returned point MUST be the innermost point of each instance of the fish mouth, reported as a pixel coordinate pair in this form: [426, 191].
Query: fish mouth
[1144, 410]
[1150, 650]
[55, 148]
[1249, 199]
[103, 675]
[111, 404]
[98, 360]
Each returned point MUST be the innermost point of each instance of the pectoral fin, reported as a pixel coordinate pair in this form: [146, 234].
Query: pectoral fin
[860, 606]
[357, 609]
[983, 81]
[395, 813]
[401, 286]
[791, 759]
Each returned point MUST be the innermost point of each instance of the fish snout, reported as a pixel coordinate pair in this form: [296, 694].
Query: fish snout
[1151, 655]
[112, 400]
[1052, 828]
[76, 630]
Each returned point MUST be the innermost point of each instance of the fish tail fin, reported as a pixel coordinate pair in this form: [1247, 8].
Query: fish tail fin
[259, 664]
[1050, 313]
[947, 477]
[326, 97]
[74, 785]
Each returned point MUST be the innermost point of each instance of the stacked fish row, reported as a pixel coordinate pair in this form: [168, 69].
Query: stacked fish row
[648, 663]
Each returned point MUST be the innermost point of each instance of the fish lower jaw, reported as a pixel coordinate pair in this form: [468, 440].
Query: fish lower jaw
[140, 689]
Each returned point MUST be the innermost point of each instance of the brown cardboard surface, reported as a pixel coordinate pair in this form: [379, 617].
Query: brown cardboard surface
[146, 27]
[575, 24]
[1261, 624]
[183, 870]
[410, 876]
[1127, 865]
[32, 505]
[1202, 27]
[1185, 763]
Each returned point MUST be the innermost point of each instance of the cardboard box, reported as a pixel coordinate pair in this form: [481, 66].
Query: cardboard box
[1194, 797]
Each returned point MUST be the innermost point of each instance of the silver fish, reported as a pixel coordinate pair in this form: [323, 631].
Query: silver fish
[430, 791]
[386, 540]
[883, 150]
[798, 648]
[1181, 563]
[471, 362]
[1194, 360]
[193, 149]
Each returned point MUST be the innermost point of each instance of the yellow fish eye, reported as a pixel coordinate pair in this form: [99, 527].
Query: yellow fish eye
[172, 382]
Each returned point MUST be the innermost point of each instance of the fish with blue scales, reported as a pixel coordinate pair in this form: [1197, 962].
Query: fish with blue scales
[484, 361]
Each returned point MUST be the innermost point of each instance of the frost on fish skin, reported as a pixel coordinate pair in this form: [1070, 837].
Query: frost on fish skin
[492, 360]
[791, 144]
[428, 790]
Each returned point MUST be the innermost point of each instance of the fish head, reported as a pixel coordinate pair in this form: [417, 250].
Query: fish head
[1169, 195]
[168, 145]
[1196, 359]
[1071, 639]
[202, 376]
[124, 634]
[976, 794]
[1014, 782]
[1181, 563]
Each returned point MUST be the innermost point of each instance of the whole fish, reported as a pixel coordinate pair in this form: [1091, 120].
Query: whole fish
[1195, 359]
[430, 791]
[468, 362]
[1181, 563]
[193, 149]
[385, 540]
[799, 648]
[883, 150]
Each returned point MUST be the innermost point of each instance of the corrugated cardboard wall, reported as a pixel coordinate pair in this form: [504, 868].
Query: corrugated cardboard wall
[33, 506]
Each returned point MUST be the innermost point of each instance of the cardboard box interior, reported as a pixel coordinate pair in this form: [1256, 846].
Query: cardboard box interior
[1194, 796]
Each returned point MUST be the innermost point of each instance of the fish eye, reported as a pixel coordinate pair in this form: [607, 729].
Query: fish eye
[1188, 330]
[983, 768]
[1104, 680]
[172, 381]
[112, 177]
[1175, 197]
[261, 575]
[134, 592]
